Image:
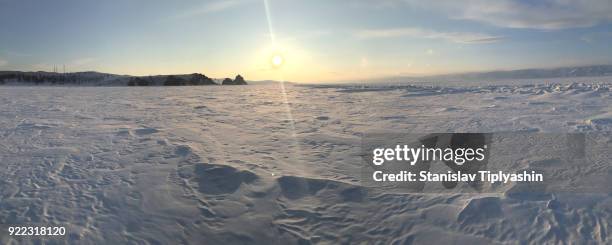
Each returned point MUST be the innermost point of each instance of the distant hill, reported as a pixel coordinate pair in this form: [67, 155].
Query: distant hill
[92, 78]
[54, 78]
[105, 79]
[563, 72]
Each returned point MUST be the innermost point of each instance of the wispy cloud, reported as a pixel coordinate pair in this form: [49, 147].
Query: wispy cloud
[300, 35]
[81, 61]
[544, 15]
[16, 54]
[77, 64]
[457, 37]
[211, 7]
[41, 67]
[597, 36]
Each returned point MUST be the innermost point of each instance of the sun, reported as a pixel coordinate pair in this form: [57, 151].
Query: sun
[277, 61]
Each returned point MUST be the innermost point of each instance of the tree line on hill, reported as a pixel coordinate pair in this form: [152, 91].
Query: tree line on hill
[40, 78]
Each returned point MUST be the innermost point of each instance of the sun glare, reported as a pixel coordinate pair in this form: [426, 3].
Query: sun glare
[277, 61]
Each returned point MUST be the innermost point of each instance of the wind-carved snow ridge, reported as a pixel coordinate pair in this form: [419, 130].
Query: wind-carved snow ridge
[223, 165]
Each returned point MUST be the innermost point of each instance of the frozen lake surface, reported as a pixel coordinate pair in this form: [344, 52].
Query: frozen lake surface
[275, 164]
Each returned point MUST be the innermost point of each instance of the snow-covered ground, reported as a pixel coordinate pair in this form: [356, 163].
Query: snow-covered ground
[273, 164]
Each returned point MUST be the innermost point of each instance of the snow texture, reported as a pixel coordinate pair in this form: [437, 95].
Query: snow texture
[273, 164]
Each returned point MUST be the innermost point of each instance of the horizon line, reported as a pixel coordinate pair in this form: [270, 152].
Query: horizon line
[339, 80]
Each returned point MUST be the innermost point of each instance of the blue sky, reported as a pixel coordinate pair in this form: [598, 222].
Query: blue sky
[317, 40]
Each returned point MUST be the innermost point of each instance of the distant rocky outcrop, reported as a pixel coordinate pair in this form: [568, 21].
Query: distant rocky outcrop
[227, 81]
[175, 81]
[239, 80]
[195, 79]
[200, 79]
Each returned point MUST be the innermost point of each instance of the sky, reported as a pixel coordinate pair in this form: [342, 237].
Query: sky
[303, 41]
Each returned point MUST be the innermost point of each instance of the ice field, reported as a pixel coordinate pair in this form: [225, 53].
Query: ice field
[276, 164]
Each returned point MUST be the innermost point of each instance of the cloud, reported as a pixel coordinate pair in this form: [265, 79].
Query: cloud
[211, 7]
[74, 65]
[596, 37]
[81, 61]
[3, 62]
[543, 15]
[42, 67]
[16, 54]
[298, 35]
[457, 37]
